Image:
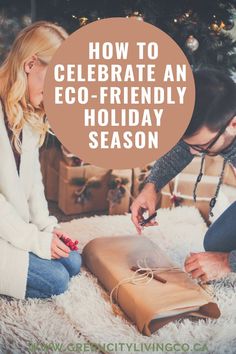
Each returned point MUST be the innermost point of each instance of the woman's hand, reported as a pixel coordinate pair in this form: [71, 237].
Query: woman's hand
[58, 248]
[146, 200]
[60, 233]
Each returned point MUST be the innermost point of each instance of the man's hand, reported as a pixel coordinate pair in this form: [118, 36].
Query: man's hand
[208, 265]
[146, 200]
[58, 248]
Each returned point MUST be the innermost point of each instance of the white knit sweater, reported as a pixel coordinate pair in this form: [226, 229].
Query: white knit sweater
[25, 224]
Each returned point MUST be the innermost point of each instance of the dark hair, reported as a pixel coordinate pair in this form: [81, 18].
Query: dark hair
[215, 101]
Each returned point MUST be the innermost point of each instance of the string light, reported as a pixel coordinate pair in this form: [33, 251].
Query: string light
[136, 14]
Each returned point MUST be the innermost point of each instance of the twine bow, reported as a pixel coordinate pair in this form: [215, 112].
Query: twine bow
[117, 190]
[83, 194]
[142, 276]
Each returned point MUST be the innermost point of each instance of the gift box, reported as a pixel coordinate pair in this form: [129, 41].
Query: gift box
[180, 192]
[213, 167]
[206, 189]
[119, 193]
[50, 161]
[194, 166]
[151, 303]
[82, 189]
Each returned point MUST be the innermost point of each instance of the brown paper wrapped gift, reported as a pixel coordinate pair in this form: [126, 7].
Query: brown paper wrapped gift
[70, 191]
[149, 306]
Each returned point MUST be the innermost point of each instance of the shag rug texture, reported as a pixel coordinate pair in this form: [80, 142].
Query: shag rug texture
[83, 314]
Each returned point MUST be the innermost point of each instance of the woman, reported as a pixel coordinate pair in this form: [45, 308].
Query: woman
[34, 262]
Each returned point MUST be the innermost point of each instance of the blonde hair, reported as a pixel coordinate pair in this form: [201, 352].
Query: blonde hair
[41, 39]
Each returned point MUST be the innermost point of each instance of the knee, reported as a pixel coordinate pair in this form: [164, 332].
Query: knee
[60, 280]
[75, 263]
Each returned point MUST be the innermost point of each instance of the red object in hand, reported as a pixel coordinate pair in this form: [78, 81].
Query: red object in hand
[71, 244]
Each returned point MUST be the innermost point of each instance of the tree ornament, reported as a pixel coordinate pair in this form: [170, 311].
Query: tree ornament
[229, 24]
[26, 20]
[217, 26]
[214, 27]
[192, 43]
[83, 21]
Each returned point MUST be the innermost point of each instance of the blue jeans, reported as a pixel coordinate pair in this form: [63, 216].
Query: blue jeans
[51, 277]
[221, 235]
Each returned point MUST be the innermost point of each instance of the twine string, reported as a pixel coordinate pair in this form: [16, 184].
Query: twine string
[143, 276]
[80, 191]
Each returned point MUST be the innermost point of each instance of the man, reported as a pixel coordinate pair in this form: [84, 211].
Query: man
[212, 131]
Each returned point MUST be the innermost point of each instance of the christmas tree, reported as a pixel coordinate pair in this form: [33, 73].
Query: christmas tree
[200, 27]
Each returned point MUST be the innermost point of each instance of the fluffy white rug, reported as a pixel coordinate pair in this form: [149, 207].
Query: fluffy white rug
[84, 313]
[25, 323]
[180, 231]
